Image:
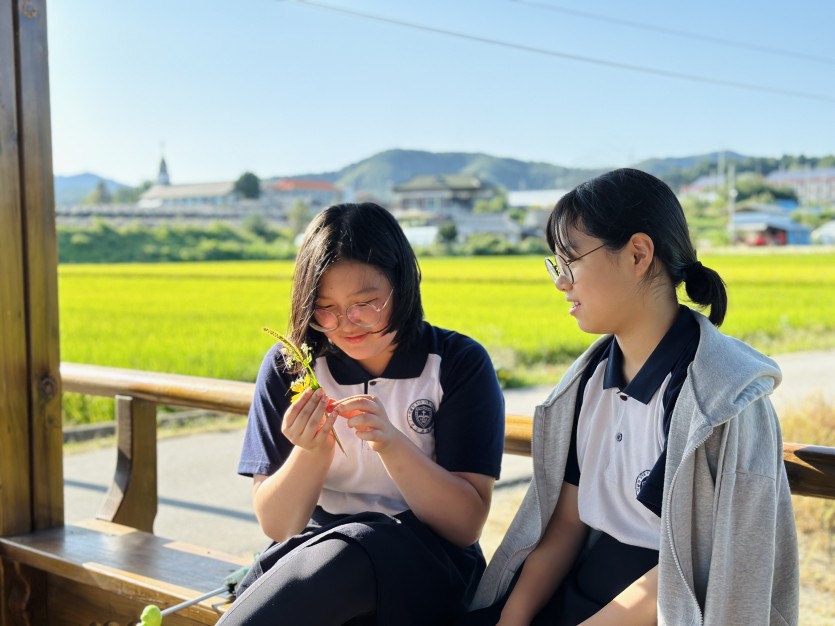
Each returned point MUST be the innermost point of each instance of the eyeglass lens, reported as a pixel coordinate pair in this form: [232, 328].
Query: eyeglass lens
[360, 314]
[557, 268]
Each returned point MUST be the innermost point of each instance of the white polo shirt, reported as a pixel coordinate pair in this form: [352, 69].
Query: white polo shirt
[442, 393]
[621, 431]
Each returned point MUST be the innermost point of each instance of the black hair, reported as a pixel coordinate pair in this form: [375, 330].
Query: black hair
[614, 206]
[367, 233]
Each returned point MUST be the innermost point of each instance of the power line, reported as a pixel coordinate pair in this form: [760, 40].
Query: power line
[678, 33]
[572, 57]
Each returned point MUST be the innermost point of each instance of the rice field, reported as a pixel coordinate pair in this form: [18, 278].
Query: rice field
[205, 319]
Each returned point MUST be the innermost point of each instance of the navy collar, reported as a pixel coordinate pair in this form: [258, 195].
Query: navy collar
[661, 362]
[405, 362]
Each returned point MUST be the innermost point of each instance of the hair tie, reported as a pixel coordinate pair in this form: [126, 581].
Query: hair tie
[690, 269]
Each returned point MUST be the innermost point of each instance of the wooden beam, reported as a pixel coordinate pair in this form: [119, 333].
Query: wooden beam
[227, 396]
[811, 469]
[41, 263]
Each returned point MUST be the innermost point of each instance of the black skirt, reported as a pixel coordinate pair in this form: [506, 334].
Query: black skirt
[604, 569]
[422, 579]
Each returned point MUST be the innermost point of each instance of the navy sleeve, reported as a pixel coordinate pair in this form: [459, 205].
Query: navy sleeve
[469, 424]
[265, 447]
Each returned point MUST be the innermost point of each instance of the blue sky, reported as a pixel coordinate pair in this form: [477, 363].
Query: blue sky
[286, 87]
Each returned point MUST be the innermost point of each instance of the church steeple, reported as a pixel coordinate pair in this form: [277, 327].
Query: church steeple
[162, 177]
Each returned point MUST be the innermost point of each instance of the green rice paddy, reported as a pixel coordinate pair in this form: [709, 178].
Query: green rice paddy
[205, 319]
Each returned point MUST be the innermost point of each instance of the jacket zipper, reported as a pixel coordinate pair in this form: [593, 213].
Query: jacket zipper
[506, 570]
[670, 530]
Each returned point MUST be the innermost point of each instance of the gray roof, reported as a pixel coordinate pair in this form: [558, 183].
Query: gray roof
[200, 190]
[440, 182]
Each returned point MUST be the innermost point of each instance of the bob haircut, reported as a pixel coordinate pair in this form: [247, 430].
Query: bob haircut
[614, 206]
[366, 233]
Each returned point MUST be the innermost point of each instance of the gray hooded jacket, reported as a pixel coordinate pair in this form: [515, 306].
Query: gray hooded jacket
[728, 551]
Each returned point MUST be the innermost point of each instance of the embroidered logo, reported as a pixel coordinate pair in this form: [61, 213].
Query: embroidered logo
[421, 416]
[639, 482]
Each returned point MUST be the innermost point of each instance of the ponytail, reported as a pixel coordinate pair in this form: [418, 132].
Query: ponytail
[704, 286]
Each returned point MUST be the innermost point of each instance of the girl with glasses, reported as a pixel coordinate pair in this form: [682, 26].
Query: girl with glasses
[386, 532]
[659, 492]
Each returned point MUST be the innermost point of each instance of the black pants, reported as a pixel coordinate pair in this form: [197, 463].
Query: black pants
[366, 568]
[328, 583]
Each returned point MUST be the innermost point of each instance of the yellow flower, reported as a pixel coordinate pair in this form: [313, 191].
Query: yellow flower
[307, 378]
[298, 387]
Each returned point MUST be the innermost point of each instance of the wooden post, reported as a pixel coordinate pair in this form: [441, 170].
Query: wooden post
[15, 495]
[132, 498]
[41, 265]
[31, 473]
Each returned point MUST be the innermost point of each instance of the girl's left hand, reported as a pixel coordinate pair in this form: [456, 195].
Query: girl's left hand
[367, 416]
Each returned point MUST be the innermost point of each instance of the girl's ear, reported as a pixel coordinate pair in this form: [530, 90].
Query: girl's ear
[642, 251]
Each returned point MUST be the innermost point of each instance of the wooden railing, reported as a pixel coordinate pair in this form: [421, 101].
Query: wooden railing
[132, 499]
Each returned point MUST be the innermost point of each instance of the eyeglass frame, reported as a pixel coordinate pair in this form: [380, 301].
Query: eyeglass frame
[555, 269]
[322, 329]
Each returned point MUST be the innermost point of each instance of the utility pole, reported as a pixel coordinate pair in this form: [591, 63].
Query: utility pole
[731, 202]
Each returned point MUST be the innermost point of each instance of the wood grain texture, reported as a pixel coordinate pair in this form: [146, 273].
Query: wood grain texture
[128, 564]
[15, 494]
[132, 497]
[174, 389]
[101, 608]
[41, 260]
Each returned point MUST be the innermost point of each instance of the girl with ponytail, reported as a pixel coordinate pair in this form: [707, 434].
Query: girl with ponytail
[659, 493]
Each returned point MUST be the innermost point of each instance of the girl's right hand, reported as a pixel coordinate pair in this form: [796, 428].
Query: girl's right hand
[306, 423]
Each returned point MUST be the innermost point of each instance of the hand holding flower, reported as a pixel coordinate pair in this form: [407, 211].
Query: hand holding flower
[306, 423]
[368, 417]
[307, 379]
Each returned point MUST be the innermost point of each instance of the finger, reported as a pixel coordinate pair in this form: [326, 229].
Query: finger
[349, 413]
[330, 420]
[305, 408]
[363, 421]
[352, 400]
[355, 405]
[291, 415]
[358, 396]
[317, 413]
[371, 434]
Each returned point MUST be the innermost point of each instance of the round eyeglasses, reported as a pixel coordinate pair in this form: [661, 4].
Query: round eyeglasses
[362, 314]
[562, 267]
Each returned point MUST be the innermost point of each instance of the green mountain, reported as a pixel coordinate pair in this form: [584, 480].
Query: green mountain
[378, 174]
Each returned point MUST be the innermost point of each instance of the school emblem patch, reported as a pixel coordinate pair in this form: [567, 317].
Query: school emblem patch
[421, 416]
[639, 482]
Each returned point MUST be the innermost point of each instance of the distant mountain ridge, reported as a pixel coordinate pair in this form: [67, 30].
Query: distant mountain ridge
[73, 189]
[379, 173]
